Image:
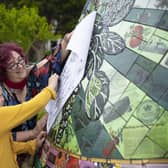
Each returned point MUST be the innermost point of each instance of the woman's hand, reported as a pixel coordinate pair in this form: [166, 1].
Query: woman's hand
[40, 139]
[40, 126]
[64, 44]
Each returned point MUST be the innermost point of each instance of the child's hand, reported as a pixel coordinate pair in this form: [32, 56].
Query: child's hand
[53, 81]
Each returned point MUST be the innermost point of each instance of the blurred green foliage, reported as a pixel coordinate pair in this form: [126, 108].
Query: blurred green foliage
[23, 26]
[30, 22]
[66, 13]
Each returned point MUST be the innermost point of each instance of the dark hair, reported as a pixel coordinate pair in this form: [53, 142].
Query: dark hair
[6, 54]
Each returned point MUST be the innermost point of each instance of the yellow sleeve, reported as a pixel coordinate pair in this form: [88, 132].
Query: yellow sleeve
[24, 147]
[12, 116]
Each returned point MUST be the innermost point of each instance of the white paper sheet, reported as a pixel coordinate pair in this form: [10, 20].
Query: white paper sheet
[74, 68]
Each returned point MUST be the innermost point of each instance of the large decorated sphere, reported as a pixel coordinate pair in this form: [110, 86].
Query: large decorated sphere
[119, 111]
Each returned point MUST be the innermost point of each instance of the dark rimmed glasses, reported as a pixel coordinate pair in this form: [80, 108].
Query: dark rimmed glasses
[15, 65]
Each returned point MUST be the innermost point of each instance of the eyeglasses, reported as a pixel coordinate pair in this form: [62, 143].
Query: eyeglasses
[15, 65]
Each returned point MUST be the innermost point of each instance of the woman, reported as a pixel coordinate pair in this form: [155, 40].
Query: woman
[12, 116]
[20, 83]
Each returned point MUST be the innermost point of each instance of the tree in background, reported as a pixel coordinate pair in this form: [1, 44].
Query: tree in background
[24, 26]
[65, 13]
[21, 22]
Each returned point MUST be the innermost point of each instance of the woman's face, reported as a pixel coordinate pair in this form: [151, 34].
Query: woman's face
[16, 69]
